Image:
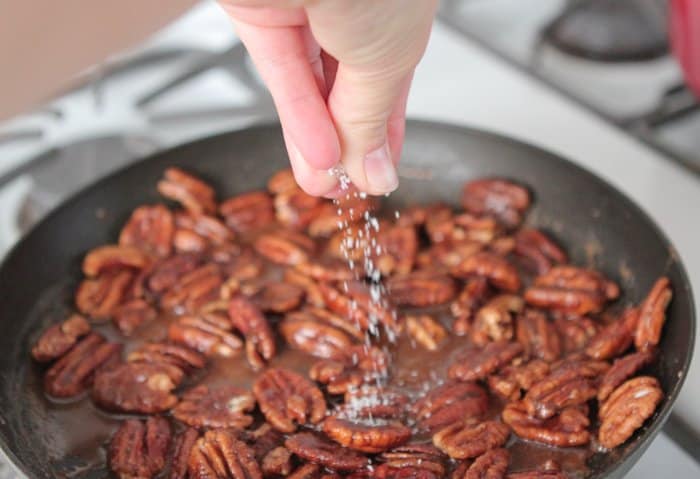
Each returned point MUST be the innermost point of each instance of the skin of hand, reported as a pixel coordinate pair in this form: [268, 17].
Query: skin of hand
[339, 72]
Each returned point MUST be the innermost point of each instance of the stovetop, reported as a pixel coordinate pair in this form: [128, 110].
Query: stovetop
[645, 96]
[194, 79]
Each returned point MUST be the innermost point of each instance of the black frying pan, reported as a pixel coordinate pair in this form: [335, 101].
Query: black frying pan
[599, 225]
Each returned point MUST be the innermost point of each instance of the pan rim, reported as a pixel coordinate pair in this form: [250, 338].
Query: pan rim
[642, 443]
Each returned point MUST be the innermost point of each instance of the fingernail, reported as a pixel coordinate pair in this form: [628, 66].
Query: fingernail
[380, 171]
[336, 192]
[295, 153]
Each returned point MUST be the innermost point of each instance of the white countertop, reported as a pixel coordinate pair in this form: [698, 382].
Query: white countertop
[479, 90]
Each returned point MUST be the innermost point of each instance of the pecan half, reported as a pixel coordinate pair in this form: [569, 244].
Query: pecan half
[196, 233]
[328, 221]
[370, 358]
[223, 406]
[137, 387]
[59, 338]
[461, 469]
[503, 199]
[351, 244]
[384, 471]
[490, 465]
[448, 254]
[233, 287]
[184, 443]
[573, 290]
[312, 291]
[338, 377]
[567, 429]
[502, 246]
[318, 450]
[108, 257]
[219, 454]
[397, 249]
[138, 450]
[262, 440]
[165, 274]
[575, 332]
[181, 357]
[471, 364]
[260, 341]
[512, 381]
[279, 297]
[149, 228]
[193, 290]
[417, 215]
[280, 249]
[621, 370]
[538, 250]
[467, 439]
[209, 334]
[296, 209]
[71, 374]
[474, 228]
[569, 384]
[239, 264]
[614, 338]
[538, 336]
[366, 435]
[363, 299]
[287, 399]
[192, 193]
[464, 307]
[652, 315]
[449, 403]
[497, 270]
[327, 317]
[326, 269]
[374, 402]
[248, 212]
[421, 288]
[425, 331]
[282, 181]
[494, 320]
[98, 297]
[129, 316]
[187, 241]
[277, 462]
[416, 458]
[627, 408]
[439, 223]
[350, 209]
[308, 471]
[308, 332]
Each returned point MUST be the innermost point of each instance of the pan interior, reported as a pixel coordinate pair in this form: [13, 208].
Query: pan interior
[598, 225]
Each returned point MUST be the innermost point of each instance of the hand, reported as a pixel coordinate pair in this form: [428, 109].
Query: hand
[339, 72]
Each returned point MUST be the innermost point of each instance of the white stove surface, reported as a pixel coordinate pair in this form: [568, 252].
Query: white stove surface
[457, 82]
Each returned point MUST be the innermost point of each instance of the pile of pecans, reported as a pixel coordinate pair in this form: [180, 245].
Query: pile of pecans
[533, 343]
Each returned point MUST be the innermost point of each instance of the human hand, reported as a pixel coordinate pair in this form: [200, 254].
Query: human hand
[339, 72]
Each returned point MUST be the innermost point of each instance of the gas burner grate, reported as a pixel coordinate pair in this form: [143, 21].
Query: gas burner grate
[645, 98]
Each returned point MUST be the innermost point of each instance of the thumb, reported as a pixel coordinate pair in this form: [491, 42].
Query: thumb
[377, 45]
[360, 104]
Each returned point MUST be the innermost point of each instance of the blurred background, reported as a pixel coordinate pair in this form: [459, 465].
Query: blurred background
[611, 84]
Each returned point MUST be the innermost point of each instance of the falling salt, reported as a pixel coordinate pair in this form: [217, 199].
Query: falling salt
[364, 237]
